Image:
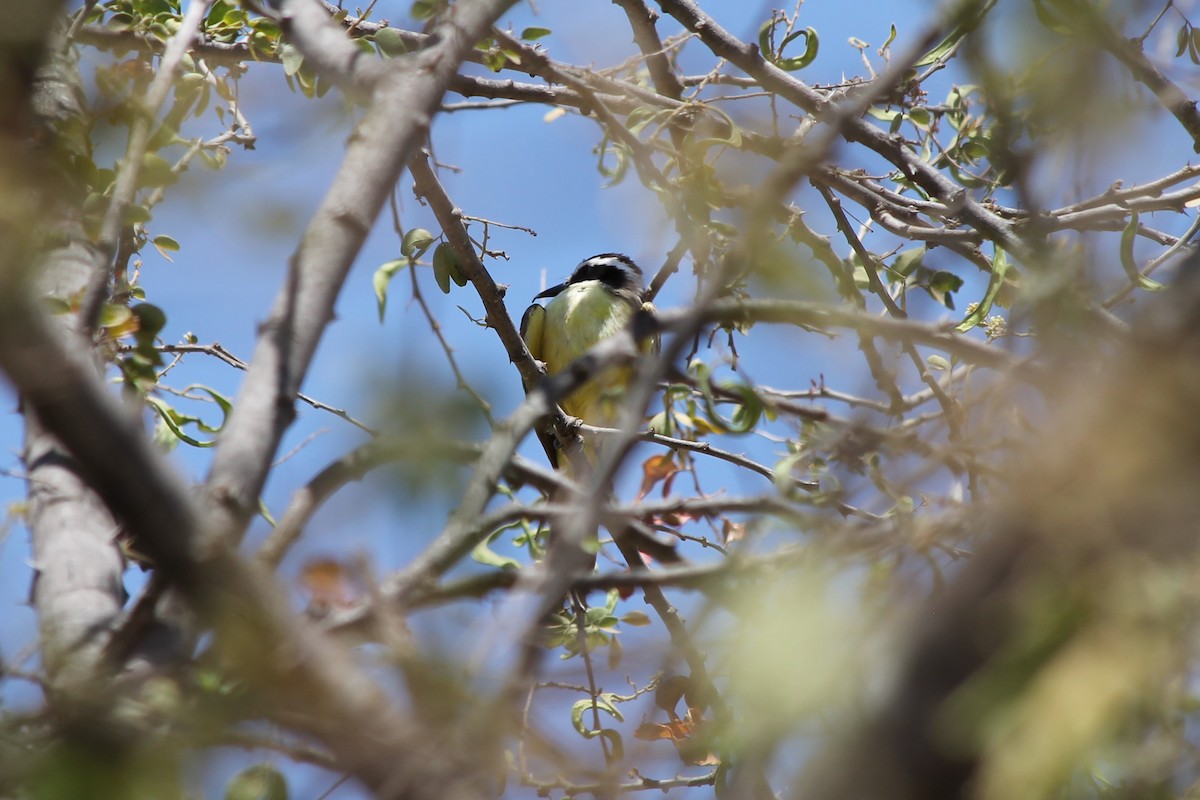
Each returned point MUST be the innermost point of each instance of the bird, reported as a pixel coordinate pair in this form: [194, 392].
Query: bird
[603, 295]
[598, 300]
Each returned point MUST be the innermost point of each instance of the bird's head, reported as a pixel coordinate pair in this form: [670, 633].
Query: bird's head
[615, 271]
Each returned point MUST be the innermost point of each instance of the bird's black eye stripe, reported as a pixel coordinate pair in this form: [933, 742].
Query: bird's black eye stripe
[612, 269]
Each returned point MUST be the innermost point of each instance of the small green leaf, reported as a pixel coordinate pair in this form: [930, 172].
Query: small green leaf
[748, 411]
[980, 312]
[391, 42]
[907, 261]
[938, 362]
[891, 38]
[265, 513]
[114, 314]
[1129, 263]
[151, 321]
[382, 277]
[1049, 20]
[811, 46]
[446, 261]
[941, 51]
[942, 285]
[484, 554]
[883, 114]
[260, 782]
[637, 619]
[441, 272]
[223, 403]
[620, 153]
[947, 45]
[136, 215]
[425, 9]
[172, 419]
[164, 244]
[291, 58]
[602, 703]
[416, 242]
[533, 34]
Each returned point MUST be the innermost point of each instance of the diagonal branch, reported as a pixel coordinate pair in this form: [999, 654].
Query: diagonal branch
[403, 104]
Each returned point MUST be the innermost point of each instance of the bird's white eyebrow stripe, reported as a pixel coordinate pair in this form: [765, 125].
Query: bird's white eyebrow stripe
[611, 260]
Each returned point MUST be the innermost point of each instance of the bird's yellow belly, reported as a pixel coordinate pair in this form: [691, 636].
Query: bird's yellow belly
[583, 315]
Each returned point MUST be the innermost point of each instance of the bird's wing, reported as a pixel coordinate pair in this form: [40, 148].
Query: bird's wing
[532, 325]
[532, 328]
[647, 318]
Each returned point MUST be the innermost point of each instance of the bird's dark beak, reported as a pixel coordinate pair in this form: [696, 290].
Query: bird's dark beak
[551, 292]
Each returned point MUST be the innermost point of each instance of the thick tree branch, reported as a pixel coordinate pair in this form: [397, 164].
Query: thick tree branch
[77, 588]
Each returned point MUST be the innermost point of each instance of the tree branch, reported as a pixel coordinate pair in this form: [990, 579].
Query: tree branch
[404, 102]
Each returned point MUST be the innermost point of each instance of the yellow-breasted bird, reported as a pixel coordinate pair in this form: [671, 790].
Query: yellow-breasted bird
[597, 301]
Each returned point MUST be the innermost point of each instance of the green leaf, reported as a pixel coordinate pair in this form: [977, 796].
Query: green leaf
[156, 171]
[947, 45]
[811, 46]
[1049, 20]
[173, 419]
[603, 703]
[136, 215]
[941, 51]
[214, 159]
[391, 42]
[223, 403]
[382, 277]
[485, 555]
[265, 513]
[151, 321]
[907, 261]
[291, 58]
[745, 416]
[441, 272]
[891, 38]
[938, 362]
[941, 285]
[734, 139]
[979, 314]
[616, 173]
[425, 9]
[416, 242]
[164, 244]
[533, 34]
[637, 619]
[260, 782]
[1128, 263]
[444, 260]
[114, 314]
